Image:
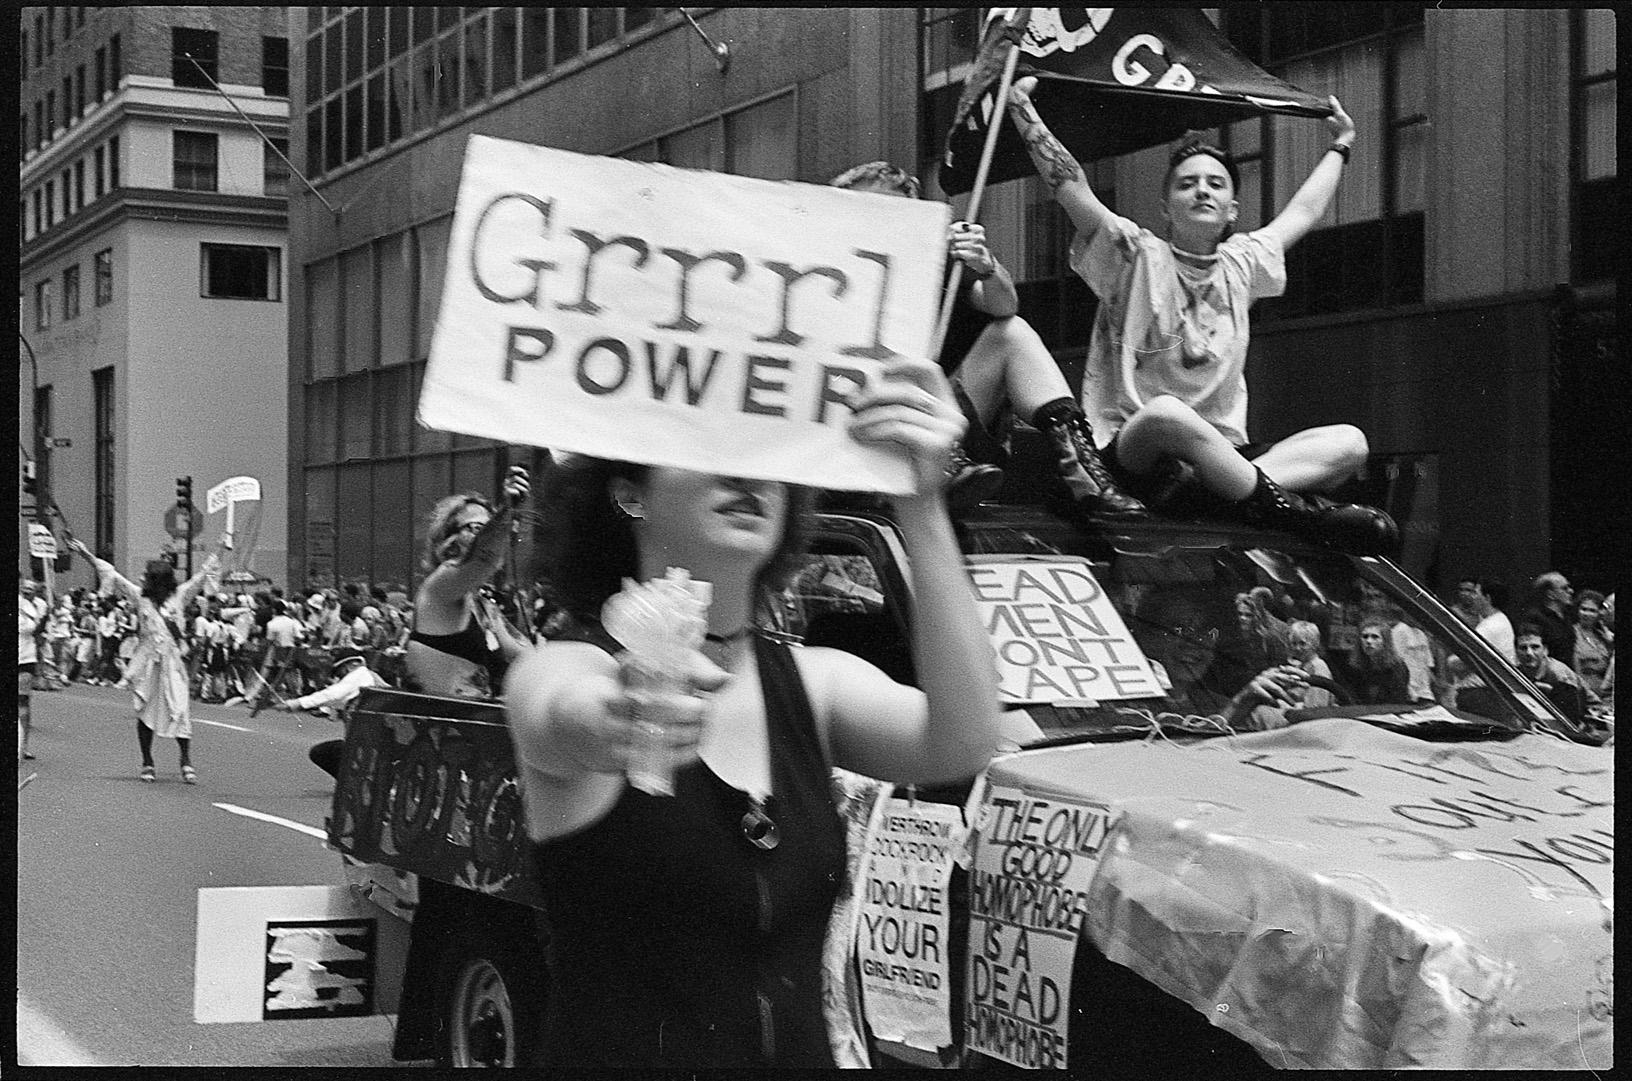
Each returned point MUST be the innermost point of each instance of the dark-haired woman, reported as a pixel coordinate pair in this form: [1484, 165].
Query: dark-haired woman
[157, 673]
[460, 644]
[687, 930]
[1165, 379]
[1376, 674]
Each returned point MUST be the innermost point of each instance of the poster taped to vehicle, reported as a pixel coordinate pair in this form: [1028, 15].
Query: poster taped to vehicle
[677, 317]
[290, 953]
[1057, 637]
[904, 944]
[1028, 899]
[1343, 897]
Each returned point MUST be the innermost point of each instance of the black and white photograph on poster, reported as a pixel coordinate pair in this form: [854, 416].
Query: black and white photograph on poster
[319, 968]
[1053, 377]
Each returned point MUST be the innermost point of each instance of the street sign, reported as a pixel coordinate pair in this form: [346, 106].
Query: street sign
[61, 441]
[231, 490]
[42, 544]
[180, 524]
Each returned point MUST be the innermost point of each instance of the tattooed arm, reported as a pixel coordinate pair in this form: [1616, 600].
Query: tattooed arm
[1055, 164]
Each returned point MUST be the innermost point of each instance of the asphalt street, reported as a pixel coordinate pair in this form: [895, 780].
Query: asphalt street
[108, 874]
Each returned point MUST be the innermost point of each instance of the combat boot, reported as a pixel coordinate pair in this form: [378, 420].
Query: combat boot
[1082, 470]
[1349, 527]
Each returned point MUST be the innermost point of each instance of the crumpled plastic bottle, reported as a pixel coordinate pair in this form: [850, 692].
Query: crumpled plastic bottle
[661, 623]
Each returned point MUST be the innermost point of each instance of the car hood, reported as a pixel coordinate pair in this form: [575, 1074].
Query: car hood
[1342, 896]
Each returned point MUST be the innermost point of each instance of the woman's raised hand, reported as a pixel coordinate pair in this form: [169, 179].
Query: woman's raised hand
[910, 405]
[517, 485]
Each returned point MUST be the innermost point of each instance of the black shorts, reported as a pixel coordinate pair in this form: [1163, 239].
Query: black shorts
[1170, 484]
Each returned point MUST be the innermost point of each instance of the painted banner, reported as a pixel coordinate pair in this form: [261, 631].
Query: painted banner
[1028, 901]
[42, 543]
[1057, 637]
[231, 490]
[677, 317]
[1111, 81]
[433, 795]
[905, 939]
[1343, 897]
[290, 953]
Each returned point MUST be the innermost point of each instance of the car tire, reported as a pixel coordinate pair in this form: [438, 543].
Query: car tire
[490, 998]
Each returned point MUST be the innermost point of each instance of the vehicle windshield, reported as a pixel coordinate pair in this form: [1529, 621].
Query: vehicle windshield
[1102, 640]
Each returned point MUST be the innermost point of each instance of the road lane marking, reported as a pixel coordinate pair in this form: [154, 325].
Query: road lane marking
[42, 1042]
[275, 820]
[222, 724]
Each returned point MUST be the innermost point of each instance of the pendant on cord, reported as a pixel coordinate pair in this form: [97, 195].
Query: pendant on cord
[758, 827]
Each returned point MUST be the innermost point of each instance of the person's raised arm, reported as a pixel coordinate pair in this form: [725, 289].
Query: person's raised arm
[950, 729]
[992, 290]
[212, 567]
[1312, 199]
[1057, 166]
[109, 580]
[454, 578]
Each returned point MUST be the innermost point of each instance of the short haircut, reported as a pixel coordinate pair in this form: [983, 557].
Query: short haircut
[1189, 149]
[1303, 630]
[440, 525]
[1528, 630]
[879, 172]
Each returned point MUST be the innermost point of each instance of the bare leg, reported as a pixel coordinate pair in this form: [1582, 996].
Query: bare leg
[1168, 428]
[1316, 459]
[25, 718]
[1009, 360]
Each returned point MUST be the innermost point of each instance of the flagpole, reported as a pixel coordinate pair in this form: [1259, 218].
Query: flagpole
[1022, 17]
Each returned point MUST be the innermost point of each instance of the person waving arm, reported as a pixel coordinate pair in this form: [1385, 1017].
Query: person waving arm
[1310, 203]
[1057, 166]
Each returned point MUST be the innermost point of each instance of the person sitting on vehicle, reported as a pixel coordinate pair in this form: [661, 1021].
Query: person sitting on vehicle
[995, 359]
[687, 931]
[1166, 373]
[459, 644]
[1179, 635]
[1375, 672]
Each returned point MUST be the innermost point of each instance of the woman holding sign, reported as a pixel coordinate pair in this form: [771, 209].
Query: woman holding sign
[157, 673]
[687, 930]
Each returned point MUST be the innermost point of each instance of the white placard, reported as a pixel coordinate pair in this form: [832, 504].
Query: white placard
[42, 543]
[231, 490]
[269, 953]
[679, 317]
[903, 945]
[1057, 637]
[1028, 897]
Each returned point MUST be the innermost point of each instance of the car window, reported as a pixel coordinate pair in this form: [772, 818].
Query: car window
[1207, 619]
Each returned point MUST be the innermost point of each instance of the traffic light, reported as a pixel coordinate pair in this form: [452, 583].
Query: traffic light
[184, 492]
[31, 483]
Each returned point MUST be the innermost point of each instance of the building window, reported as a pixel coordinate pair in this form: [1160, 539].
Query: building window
[70, 292]
[23, 51]
[50, 31]
[39, 124]
[39, 40]
[113, 163]
[99, 181]
[102, 439]
[1598, 218]
[42, 441]
[42, 304]
[50, 203]
[102, 269]
[101, 75]
[39, 218]
[195, 160]
[192, 48]
[275, 66]
[116, 69]
[79, 90]
[274, 170]
[240, 272]
[68, 100]
[50, 115]
[67, 192]
[79, 184]
[22, 136]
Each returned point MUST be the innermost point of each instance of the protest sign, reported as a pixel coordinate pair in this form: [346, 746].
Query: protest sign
[1057, 637]
[42, 543]
[1460, 894]
[1028, 899]
[677, 317]
[231, 490]
[904, 945]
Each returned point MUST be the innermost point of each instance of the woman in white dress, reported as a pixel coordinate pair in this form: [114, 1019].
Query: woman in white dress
[157, 673]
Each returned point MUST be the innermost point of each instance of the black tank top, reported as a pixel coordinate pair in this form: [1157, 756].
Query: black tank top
[676, 942]
[468, 643]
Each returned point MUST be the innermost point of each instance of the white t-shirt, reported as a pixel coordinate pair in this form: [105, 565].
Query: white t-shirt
[282, 630]
[1497, 629]
[1171, 323]
[30, 611]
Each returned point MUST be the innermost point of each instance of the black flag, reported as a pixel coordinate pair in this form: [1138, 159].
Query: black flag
[1111, 81]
